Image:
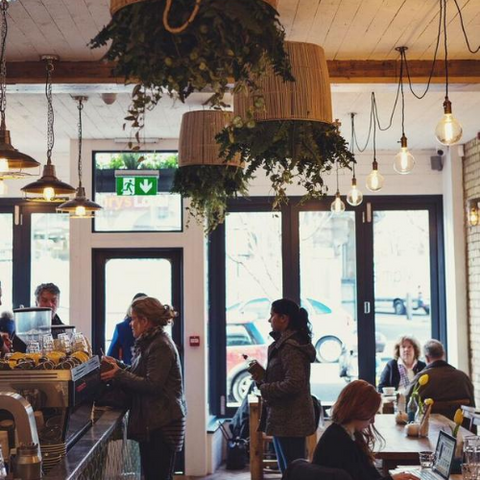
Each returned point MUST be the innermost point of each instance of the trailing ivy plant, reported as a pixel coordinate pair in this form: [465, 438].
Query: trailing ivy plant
[209, 187]
[227, 40]
[289, 151]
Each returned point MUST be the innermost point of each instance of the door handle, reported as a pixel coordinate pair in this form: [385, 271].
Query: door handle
[366, 308]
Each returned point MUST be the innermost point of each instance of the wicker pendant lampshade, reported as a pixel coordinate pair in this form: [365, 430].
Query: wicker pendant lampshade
[197, 144]
[116, 5]
[308, 98]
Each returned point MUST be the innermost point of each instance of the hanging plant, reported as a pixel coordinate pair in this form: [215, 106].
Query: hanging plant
[209, 187]
[289, 151]
[219, 42]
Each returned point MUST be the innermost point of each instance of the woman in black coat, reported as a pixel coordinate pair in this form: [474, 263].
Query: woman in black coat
[288, 413]
[154, 383]
[400, 371]
[349, 442]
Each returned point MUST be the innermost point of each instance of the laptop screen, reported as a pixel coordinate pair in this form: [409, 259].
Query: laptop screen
[444, 454]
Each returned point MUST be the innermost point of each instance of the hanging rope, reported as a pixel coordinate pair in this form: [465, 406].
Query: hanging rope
[50, 112]
[3, 62]
[180, 29]
[80, 134]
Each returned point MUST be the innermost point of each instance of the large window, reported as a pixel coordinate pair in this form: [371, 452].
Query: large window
[160, 212]
[365, 277]
[6, 260]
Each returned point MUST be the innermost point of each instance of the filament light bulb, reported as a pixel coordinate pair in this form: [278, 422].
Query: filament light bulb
[80, 211]
[48, 194]
[375, 180]
[355, 196]
[473, 217]
[337, 207]
[448, 130]
[404, 160]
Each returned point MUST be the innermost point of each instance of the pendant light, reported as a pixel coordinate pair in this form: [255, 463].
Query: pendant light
[374, 180]
[80, 206]
[48, 188]
[472, 212]
[337, 207]
[448, 130]
[404, 160]
[355, 196]
[12, 162]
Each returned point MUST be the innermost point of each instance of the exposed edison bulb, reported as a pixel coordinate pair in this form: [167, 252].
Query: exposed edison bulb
[404, 161]
[375, 180]
[3, 165]
[80, 211]
[337, 205]
[48, 194]
[355, 196]
[3, 187]
[448, 130]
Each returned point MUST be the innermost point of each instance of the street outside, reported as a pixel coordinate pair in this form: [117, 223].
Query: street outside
[325, 381]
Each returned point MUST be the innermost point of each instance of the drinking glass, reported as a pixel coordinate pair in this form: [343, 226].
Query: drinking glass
[471, 449]
[426, 459]
[47, 343]
[3, 470]
[33, 347]
[469, 471]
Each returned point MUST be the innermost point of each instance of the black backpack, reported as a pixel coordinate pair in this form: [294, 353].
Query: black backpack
[237, 456]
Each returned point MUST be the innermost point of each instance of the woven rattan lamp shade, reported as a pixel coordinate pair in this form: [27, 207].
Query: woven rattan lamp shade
[197, 144]
[116, 5]
[308, 98]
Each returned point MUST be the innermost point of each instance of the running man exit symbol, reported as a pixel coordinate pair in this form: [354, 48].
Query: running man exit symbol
[130, 186]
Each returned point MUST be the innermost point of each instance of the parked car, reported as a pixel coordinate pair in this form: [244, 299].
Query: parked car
[333, 327]
[243, 338]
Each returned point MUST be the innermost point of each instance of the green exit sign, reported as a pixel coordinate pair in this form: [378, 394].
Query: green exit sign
[129, 186]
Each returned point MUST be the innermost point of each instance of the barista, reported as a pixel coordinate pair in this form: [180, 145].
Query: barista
[48, 295]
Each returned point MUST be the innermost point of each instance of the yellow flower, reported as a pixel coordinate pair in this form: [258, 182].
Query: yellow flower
[423, 380]
[458, 418]
[429, 401]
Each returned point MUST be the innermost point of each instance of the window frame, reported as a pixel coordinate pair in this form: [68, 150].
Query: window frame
[291, 276]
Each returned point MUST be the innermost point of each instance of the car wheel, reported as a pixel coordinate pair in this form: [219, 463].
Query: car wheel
[240, 386]
[399, 307]
[329, 349]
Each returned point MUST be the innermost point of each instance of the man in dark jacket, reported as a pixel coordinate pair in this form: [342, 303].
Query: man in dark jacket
[48, 295]
[445, 382]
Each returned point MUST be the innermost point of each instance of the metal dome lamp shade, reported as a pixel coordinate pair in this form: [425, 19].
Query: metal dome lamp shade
[48, 188]
[12, 162]
[80, 206]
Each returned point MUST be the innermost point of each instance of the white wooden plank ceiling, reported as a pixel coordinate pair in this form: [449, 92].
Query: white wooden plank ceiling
[347, 29]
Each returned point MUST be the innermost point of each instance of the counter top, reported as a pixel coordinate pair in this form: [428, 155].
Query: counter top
[94, 443]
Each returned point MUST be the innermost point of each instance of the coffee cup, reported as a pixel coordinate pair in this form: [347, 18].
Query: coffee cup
[389, 391]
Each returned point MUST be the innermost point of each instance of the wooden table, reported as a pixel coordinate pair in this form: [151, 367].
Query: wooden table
[402, 450]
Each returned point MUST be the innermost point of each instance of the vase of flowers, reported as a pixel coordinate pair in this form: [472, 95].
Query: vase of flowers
[415, 408]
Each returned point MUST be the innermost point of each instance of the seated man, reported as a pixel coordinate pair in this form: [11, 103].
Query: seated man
[444, 381]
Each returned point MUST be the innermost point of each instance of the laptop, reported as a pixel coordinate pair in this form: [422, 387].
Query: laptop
[444, 453]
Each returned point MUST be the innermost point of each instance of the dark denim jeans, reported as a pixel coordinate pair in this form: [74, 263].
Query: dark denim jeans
[157, 458]
[289, 449]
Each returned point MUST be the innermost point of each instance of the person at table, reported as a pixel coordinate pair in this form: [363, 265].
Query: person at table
[349, 442]
[400, 371]
[47, 295]
[7, 324]
[445, 382]
[288, 414]
[154, 384]
[122, 343]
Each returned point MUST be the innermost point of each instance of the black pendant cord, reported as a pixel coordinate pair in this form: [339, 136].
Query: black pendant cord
[80, 135]
[352, 142]
[470, 49]
[374, 108]
[445, 45]
[3, 62]
[402, 53]
[50, 111]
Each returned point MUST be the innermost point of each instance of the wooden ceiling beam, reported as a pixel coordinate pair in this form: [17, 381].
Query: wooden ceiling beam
[341, 71]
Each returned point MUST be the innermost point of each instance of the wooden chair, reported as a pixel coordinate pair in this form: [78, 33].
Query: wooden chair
[471, 418]
[448, 408]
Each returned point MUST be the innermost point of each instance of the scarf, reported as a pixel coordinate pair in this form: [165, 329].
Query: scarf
[145, 338]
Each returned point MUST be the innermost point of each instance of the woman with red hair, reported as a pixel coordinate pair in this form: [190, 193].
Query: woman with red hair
[348, 443]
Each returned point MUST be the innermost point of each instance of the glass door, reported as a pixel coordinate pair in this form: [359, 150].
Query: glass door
[328, 293]
[402, 278]
[119, 274]
[6, 261]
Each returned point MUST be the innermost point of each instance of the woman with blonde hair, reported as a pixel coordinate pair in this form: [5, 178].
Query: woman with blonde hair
[349, 442]
[154, 383]
[401, 370]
